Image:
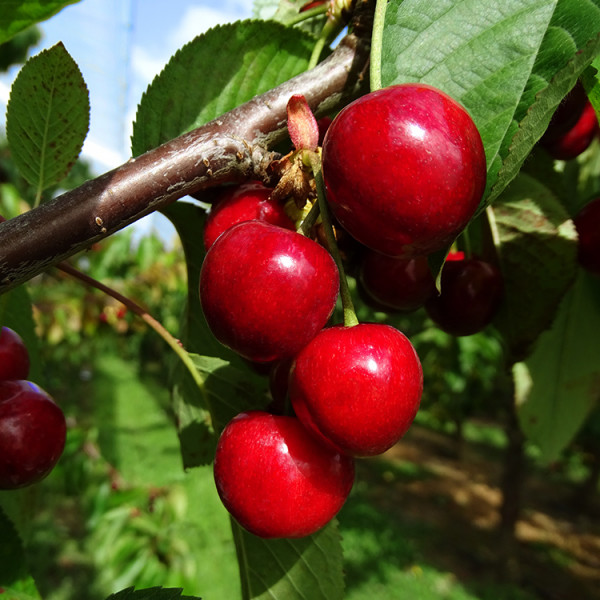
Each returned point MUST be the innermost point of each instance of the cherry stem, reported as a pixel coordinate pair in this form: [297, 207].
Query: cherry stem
[307, 14]
[175, 344]
[350, 318]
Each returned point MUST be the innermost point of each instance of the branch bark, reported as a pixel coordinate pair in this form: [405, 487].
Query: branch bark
[231, 148]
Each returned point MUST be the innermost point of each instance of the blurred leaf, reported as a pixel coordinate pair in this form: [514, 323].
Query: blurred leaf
[308, 568]
[559, 383]
[508, 63]
[15, 580]
[536, 249]
[288, 12]
[254, 56]
[16, 15]
[137, 436]
[47, 117]
[155, 593]
[15, 50]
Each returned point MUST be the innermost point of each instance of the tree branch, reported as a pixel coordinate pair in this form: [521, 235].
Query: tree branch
[231, 148]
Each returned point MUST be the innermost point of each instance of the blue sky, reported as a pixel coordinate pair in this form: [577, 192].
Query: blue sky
[120, 45]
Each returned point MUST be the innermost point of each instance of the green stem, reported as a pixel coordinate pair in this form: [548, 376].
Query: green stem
[142, 313]
[310, 219]
[307, 14]
[377, 44]
[350, 318]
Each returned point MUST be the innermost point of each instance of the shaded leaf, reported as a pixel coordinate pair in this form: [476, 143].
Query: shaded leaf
[536, 249]
[559, 383]
[508, 63]
[308, 568]
[15, 580]
[16, 15]
[47, 117]
[254, 56]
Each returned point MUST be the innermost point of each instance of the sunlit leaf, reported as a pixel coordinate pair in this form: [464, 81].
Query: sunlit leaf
[47, 117]
[508, 63]
[155, 593]
[254, 56]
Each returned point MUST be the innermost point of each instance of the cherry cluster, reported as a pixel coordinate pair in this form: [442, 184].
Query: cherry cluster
[32, 425]
[403, 170]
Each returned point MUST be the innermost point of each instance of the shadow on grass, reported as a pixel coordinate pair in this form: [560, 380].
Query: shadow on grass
[410, 532]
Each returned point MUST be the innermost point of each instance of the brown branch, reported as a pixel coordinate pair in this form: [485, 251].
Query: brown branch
[231, 148]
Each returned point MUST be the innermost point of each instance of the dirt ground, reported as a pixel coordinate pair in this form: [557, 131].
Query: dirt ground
[557, 553]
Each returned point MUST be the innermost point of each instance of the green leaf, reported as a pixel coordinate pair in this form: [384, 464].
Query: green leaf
[47, 117]
[536, 248]
[308, 568]
[16, 15]
[508, 63]
[288, 13]
[15, 580]
[155, 593]
[557, 386]
[195, 87]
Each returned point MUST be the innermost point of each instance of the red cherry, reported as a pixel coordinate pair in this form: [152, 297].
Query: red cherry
[32, 434]
[245, 202]
[404, 169]
[577, 139]
[587, 223]
[471, 292]
[276, 479]
[395, 282]
[267, 291]
[358, 387]
[14, 357]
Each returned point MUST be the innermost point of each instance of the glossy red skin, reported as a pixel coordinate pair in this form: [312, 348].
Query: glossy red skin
[357, 387]
[404, 169]
[266, 291]
[577, 139]
[276, 479]
[14, 357]
[398, 283]
[471, 293]
[245, 202]
[32, 434]
[587, 223]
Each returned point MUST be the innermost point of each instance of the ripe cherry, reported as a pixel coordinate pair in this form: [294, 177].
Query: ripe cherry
[250, 200]
[14, 357]
[471, 292]
[395, 282]
[32, 434]
[404, 169]
[587, 223]
[267, 291]
[359, 388]
[276, 479]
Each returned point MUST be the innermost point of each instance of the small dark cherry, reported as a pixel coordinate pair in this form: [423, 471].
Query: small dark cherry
[587, 223]
[276, 479]
[357, 388]
[471, 293]
[267, 291]
[14, 357]
[32, 434]
[404, 168]
[397, 283]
